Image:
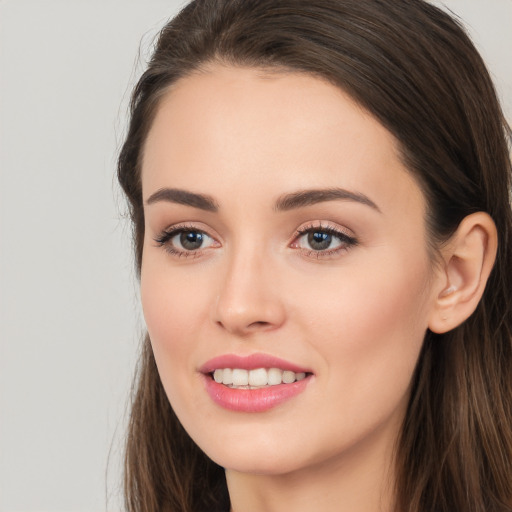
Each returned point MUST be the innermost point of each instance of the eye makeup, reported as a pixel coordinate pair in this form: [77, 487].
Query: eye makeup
[317, 240]
[313, 240]
[185, 240]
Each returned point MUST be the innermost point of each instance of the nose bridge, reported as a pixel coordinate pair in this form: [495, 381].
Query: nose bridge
[247, 300]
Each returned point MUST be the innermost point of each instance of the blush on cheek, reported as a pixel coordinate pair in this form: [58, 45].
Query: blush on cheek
[376, 332]
[166, 299]
[168, 326]
[174, 310]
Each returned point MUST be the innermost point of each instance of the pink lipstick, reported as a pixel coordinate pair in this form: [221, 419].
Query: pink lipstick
[254, 383]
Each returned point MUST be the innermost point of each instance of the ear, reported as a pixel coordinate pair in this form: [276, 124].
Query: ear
[467, 261]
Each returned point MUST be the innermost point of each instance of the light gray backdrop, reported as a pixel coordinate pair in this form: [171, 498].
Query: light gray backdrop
[70, 322]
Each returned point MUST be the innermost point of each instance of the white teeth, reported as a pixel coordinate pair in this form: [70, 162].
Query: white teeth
[227, 376]
[217, 375]
[275, 376]
[288, 377]
[240, 377]
[259, 377]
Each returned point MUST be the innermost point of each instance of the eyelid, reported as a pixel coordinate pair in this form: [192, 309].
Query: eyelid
[188, 226]
[165, 236]
[322, 225]
[345, 235]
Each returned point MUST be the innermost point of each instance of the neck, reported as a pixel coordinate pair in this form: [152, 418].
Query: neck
[361, 480]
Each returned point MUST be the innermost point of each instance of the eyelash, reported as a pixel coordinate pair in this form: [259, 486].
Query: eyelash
[346, 241]
[164, 239]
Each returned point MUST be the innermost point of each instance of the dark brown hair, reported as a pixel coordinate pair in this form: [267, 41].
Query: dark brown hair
[412, 67]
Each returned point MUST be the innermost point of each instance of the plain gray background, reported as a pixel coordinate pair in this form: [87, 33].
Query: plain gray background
[70, 323]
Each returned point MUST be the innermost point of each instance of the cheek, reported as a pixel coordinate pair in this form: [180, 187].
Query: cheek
[175, 310]
[361, 326]
[390, 309]
[370, 325]
[169, 305]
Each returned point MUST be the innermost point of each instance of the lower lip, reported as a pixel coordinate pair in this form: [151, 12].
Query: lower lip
[253, 400]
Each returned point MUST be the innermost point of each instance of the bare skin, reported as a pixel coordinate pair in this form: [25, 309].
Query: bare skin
[353, 309]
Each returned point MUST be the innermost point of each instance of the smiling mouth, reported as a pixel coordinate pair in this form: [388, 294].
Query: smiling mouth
[238, 378]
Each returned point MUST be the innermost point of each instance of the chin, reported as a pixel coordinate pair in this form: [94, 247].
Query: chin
[259, 465]
[253, 454]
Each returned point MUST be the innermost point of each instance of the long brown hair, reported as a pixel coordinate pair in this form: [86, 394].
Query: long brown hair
[413, 67]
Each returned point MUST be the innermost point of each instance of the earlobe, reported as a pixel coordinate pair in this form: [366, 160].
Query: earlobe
[467, 262]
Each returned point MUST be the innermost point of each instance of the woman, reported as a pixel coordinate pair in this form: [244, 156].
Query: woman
[322, 227]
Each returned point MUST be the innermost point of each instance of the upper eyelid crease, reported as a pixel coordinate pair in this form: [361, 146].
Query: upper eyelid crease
[322, 226]
[179, 228]
[337, 232]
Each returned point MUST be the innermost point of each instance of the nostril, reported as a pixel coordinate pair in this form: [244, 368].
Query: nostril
[257, 325]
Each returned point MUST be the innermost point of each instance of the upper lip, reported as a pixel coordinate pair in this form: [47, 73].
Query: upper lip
[250, 362]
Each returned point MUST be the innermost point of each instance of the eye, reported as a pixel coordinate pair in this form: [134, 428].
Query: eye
[183, 241]
[321, 240]
[191, 240]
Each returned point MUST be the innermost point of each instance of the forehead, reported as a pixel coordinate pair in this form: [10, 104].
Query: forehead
[228, 126]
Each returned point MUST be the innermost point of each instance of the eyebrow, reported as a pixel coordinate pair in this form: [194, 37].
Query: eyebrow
[286, 202]
[310, 197]
[178, 196]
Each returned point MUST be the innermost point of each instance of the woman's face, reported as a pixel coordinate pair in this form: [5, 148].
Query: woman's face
[282, 231]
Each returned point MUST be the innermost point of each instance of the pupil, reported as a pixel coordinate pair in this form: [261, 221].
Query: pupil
[191, 240]
[319, 241]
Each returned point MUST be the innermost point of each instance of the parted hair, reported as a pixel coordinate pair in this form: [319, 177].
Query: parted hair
[413, 67]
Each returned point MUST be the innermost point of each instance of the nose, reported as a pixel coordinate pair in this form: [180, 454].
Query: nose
[249, 300]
